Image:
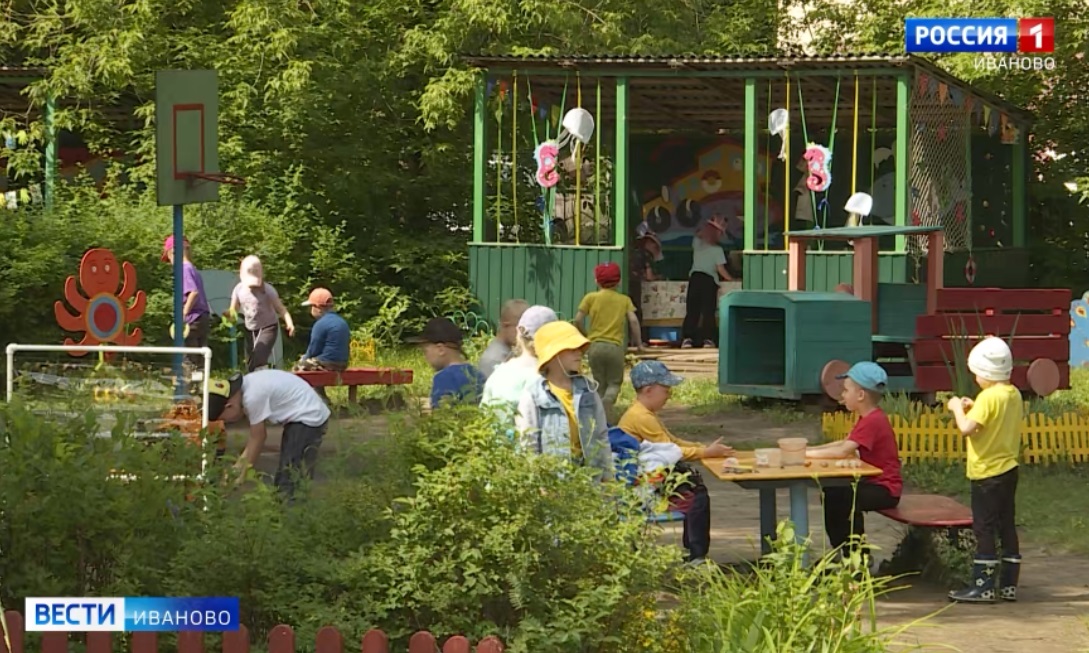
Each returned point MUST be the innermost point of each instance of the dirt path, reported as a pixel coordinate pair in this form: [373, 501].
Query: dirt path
[1051, 617]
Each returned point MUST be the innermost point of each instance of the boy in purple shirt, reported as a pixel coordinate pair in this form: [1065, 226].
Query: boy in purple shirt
[198, 316]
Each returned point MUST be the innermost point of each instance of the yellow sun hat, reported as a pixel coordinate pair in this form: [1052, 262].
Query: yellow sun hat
[555, 337]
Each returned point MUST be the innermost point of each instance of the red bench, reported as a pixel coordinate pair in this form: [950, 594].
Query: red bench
[931, 511]
[355, 377]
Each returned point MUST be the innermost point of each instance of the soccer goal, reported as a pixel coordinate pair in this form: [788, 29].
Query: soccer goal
[136, 388]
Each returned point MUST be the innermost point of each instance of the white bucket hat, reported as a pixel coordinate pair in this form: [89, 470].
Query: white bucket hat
[991, 359]
[251, 272]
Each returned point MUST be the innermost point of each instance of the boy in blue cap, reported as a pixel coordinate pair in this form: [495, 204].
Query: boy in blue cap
[874, 441]
[653, 383]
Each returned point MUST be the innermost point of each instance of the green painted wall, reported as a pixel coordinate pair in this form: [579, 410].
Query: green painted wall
[995, 268]
[824, 270]
[554, 276]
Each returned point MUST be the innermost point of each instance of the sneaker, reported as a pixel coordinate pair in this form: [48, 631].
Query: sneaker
[687, 344]
[709, 344]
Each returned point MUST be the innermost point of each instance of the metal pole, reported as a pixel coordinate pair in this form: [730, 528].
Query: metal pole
[179, 318]
[11, 371]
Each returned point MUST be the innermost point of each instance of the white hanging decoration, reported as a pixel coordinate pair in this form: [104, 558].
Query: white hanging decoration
[778, 123]
[577, 125]
[859, 206]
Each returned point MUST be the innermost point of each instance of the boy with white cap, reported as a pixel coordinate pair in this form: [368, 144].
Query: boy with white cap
[992, 423]
[500, 348]
[330, 339]
[260, 304]
[873, 440]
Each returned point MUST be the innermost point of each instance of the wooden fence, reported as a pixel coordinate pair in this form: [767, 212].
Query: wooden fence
[280, 640]
[933, 436]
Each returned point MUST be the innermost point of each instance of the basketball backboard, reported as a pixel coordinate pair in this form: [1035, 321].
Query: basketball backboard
[186, 135]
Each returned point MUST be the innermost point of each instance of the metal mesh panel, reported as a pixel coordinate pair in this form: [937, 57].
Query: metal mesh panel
[941, 181]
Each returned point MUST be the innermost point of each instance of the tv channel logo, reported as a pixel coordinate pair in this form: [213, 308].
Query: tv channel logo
[980, 35]
[133, 614]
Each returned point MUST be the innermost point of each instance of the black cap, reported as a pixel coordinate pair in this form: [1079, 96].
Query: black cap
[439, 330]
[219, 392]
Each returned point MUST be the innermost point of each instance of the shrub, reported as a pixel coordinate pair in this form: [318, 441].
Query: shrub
[784, 606]
[497, 542]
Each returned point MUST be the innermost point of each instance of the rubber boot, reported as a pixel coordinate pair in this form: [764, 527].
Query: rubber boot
[983, 583]
[1011, 572]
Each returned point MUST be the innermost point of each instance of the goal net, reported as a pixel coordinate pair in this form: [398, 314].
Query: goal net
[137, 391]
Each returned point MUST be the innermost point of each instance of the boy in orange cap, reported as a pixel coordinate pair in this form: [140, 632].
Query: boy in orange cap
[608, 311]
[330, 339]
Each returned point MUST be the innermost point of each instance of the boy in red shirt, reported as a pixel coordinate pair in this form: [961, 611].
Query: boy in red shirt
[873, 440]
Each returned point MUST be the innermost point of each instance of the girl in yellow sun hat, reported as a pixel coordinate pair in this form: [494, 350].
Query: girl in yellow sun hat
[560, 413]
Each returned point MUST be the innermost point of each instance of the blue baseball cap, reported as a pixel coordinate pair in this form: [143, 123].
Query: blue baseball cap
[867, 375]
[653, 373]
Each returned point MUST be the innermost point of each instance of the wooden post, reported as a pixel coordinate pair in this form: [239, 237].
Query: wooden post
[620, 165]
[935, 269]
[480, 157]
[865, 274]
[796, 253]
[903, 142]
[750, 164]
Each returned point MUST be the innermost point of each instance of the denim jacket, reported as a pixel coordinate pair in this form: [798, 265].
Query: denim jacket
[543, 426]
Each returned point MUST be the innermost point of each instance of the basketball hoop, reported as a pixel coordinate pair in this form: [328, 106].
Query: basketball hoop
[193, 178]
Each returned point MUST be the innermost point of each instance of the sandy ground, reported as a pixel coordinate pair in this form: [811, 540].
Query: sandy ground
[1052, 615]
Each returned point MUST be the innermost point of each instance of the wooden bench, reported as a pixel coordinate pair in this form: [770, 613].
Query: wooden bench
[355, 377]
[931, 511]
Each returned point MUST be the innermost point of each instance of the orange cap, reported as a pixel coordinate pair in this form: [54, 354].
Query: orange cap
[319, 297]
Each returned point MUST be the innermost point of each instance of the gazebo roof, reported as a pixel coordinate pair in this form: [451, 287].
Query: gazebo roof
[670, 92]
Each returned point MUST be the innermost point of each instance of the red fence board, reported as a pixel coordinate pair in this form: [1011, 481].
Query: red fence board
[936, 378]
[361, 376]
[1003, 300]
[375, 641]
[1025, 324]
[940, 350]
[281, 639]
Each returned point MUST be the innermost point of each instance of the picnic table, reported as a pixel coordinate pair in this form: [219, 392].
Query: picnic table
[798, 479]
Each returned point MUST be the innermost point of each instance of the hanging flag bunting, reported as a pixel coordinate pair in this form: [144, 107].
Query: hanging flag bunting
[969, 102]
[992, 125]
[923, 81]
[503, 90]
[943, 92]
[986, 114]
[941, 134]
[491, 87]
[957, 96]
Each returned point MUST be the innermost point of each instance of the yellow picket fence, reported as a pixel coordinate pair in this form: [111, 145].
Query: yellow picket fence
[934, 436]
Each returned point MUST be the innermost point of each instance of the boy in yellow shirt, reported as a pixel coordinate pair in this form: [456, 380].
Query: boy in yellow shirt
[992, 423]
[608, 311]
[653, 382]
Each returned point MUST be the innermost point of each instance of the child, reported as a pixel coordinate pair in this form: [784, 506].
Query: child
[260, 305]
[992, 424]
[282, 398]
[198, 316]
[499, 349]
[504, 387]
[608, 311]
[701, 302]
[647, 252]
[455, 379]
[874, 441]
[330, 339]
[559, 414]
[653, 383]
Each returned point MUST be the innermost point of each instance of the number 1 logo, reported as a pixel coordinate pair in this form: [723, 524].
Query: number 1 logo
[1036, 35]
